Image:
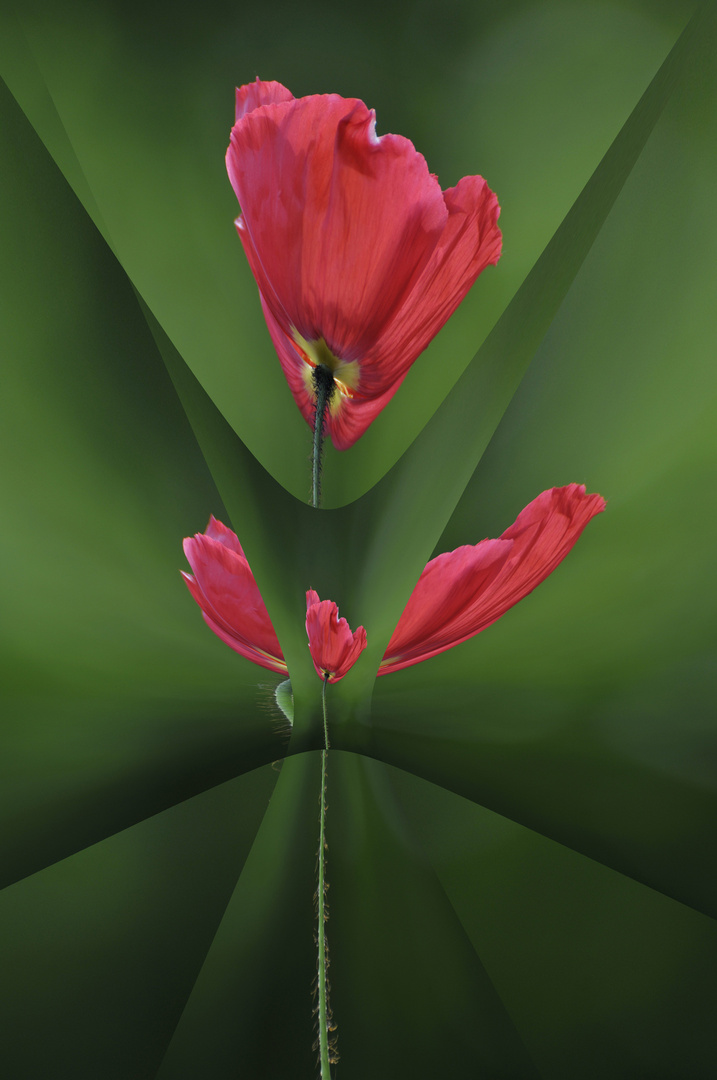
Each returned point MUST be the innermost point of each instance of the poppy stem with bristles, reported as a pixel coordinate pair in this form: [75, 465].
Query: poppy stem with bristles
[325, 1022]
[324, 386]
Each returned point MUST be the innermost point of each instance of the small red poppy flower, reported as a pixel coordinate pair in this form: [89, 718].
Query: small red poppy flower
[359, 256]
[464, 591]
[334, 649]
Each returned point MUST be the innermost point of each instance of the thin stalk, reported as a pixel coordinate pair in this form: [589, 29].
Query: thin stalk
[323, 706]
[323, 958]
[324, 386]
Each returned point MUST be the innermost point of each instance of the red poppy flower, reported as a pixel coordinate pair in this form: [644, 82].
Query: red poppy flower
[457, 595]
[334, 649]
[359, 256]
[225, 589]
[464, 591]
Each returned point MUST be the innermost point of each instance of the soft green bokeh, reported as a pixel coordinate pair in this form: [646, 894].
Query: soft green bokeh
[528, 886]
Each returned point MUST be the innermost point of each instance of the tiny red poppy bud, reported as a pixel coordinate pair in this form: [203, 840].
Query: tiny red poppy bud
[334, 648]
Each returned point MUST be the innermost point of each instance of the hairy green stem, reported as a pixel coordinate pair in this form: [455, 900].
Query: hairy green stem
[323, 958]
[324, 387]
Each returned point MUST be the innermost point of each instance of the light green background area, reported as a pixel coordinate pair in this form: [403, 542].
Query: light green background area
[532, 101]
[527, 886]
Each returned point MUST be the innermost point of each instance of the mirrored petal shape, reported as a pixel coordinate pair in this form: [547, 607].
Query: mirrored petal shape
[462, 592]
[224, 587]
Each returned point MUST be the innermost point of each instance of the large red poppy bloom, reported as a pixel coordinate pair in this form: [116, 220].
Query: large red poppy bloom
[457, 595]
[359, 256]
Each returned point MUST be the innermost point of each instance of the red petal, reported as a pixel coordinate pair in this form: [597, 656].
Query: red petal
[225, 589]
[291, 362]
[458, 595]
[446, 601]
[215, 530]
[343, 222]
[258, 93]
[470, 241]
[334, 649]
[256, 657]
[355, 415]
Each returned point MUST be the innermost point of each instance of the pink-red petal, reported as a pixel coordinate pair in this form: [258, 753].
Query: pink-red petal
[216, 530]
[456, 597]
[224, 587]
[446, 600]
[273, 663]
[343, 222]
[258, 93]
[334, 648]
[470, 241]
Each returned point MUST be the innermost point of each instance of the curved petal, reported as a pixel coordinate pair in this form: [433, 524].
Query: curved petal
[334, 649]
[353, 416]
[471, 241]
[273, 663]
[343, 222]
[258, 93]
[224, 587]
[292, 363]
[442, 607]
[216, 530]
[464, 591]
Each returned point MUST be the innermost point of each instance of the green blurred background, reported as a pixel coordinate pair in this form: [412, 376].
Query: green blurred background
[522, 871]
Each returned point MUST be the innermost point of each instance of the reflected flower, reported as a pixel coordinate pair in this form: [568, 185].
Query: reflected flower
[458, 594]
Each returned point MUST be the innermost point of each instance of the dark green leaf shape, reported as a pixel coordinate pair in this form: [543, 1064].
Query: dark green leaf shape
[116, 702]
[101, 950]
[103, 768]
[381, 941]
[397, 960]
[588, 711]
[569, 787]
[249, 1012]
[602, 976]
